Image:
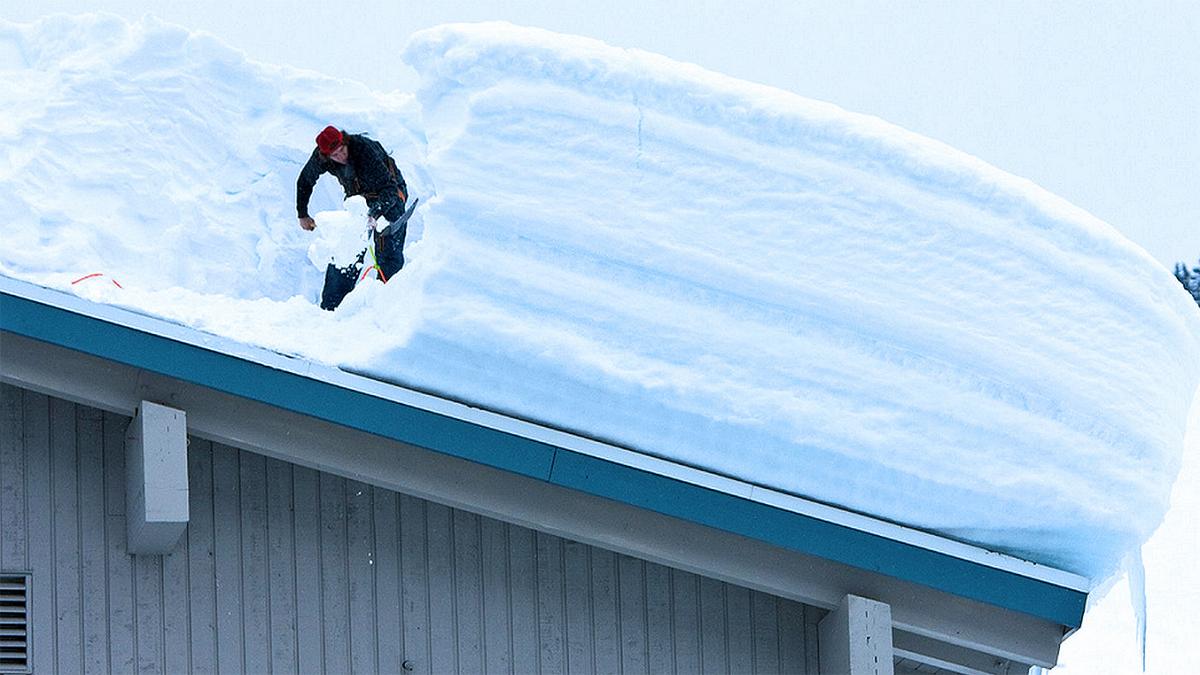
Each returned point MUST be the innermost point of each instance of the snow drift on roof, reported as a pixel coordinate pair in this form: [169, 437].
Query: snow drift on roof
[639, 250]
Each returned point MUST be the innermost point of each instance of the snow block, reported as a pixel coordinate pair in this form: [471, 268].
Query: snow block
[680, 267]
[156, 485]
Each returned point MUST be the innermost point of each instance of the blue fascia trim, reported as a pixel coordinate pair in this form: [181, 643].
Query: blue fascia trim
[539, 460]
[279, 388]
[819, 538]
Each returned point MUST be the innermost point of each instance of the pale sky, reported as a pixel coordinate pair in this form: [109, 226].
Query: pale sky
[1098, 102]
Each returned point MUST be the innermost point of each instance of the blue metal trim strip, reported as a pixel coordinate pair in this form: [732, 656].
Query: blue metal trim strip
[819, 538]
[282, 389]
[524, 456]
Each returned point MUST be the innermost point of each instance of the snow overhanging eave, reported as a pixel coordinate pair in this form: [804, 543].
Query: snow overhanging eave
[540, 453]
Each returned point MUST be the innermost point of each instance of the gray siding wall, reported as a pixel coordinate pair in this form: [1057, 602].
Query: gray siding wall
[287, 569]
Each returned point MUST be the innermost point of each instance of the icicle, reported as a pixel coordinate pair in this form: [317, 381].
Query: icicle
[1137, 596]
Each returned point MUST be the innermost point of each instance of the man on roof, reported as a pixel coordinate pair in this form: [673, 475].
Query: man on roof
[363, 168]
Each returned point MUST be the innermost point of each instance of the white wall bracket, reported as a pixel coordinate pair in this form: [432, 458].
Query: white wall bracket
[856, 638]
[156, 480]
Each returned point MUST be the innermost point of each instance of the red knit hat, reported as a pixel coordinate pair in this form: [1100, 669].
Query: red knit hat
[328, 140]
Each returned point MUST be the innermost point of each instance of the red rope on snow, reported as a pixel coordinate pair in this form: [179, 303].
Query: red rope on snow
[94, 275]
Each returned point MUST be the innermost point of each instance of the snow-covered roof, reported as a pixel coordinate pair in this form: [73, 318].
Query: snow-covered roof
[151, 345]
[654, 257]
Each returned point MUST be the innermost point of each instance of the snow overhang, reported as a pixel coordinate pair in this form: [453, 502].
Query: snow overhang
[539, 453]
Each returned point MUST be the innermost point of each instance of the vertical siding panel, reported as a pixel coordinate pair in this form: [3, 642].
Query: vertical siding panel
[14, 533]
[115, 427]
[632, 575]
[121, 627]
[442, 623]
[202, 576]
[36, 438]
[685, 596]
[497, 629]
[523, 576]
[766, 632]
[414, 584]
[552, 604]
[256, 607]
[90, 443]
[605, 630]
[812, 634]
[741, 645]
[176, 607]
[281, 554]
[414, 587]
[659, 619]
[468, 587]
[360, 552]
[9, 428]
[67, 590]
[147, 589]
[227, 557]
[387, 579]
[310, 654]
[577, 582]
[713, 651]
[333, 574]
[791, 637]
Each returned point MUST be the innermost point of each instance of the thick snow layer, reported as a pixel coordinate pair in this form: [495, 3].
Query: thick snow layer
[638, 250]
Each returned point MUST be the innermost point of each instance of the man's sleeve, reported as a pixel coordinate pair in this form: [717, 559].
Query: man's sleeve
[304, 184]
[387, 197]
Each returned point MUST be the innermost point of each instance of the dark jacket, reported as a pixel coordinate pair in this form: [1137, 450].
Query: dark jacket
[369, 171]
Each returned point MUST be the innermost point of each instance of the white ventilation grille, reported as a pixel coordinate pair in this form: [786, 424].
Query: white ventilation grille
[14, 623]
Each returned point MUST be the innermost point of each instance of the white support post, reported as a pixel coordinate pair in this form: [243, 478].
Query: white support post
[156, 480]
[856, 638]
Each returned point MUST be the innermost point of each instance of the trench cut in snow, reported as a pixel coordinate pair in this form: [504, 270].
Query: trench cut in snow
[716, 272]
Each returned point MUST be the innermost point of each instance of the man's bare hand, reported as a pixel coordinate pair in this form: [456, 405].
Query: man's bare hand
[308, 224]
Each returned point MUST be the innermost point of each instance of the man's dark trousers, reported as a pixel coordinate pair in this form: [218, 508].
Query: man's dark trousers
[389, 256]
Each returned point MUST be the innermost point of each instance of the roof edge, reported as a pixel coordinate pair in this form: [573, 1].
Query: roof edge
[540, 452]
